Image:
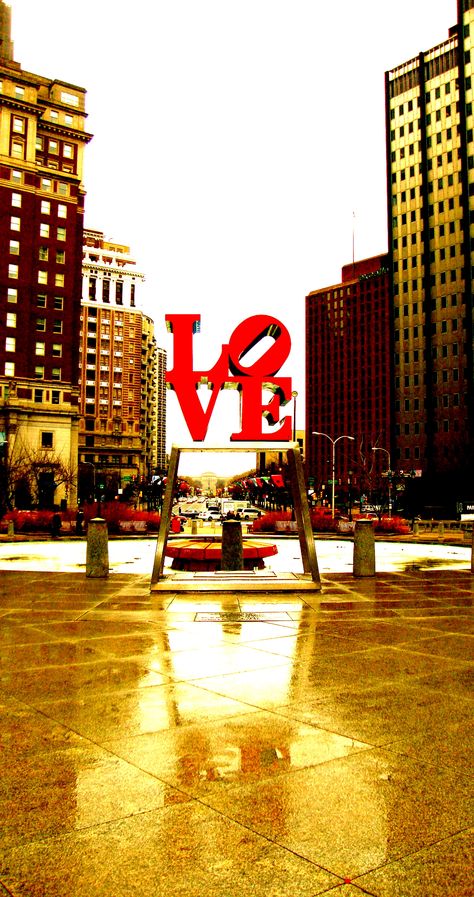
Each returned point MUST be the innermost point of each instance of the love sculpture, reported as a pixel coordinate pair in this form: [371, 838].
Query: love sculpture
[230, 372]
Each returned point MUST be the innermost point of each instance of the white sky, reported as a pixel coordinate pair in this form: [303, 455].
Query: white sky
[233, 144]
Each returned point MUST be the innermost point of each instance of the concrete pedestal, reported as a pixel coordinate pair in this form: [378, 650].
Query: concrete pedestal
[97, 561]
[232, 558]
[364, 548]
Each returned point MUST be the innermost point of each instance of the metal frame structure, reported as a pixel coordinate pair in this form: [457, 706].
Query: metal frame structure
[310, 578]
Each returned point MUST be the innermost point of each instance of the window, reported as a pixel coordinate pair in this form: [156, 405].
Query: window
[55, 396]
[46, 440]
[13, 272]
[40, 348]
[44, 230]
[59, 280]
[45, 207]
[17, 177]
[46, 185]
[63, 189]
[68, 151]
[11, 319]
[57, 326]
[12, 294]
[41, 300]
[54, 115]
[39, 371]
[58, 303]
[61, 233]
[56, 374]
[38, 394]
[9, 369]
[43, 253]
[10, 344]
[62, 210]
[14, 247]
[18, 149]
[70, 98]
[15, 223]
[19, 125]
[16, 200]
[69, 119]
[60, 256]
[41, 324]
[57, 350]
[53, 146]
[42, 277]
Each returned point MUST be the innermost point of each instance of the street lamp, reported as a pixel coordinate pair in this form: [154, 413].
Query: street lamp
[294, 396]
[378, 448]
[333, 480]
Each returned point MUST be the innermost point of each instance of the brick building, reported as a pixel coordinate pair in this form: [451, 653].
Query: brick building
[42, 142]
[348, 383]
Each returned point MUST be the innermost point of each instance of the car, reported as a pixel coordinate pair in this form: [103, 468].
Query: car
[250, 513]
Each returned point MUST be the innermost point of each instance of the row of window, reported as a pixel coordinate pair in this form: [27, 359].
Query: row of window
[47, 185]
[9, 371]
[59, 279]
[19, 92]
[443, 351]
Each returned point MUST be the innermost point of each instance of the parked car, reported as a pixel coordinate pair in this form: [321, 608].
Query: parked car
[250, 513]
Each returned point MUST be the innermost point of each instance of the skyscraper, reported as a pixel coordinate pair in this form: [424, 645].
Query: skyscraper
[430, 165]
[42, 142]
[348, 369]
[120, 372]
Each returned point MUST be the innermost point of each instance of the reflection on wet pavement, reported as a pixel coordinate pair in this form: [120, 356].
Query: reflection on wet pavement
[237, 745]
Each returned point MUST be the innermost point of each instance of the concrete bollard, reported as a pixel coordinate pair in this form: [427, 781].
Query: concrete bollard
[232, 554]
[364, 549]
[440, 532]
[416, 529]
[97, 561]
[11, 528]
[194, 527]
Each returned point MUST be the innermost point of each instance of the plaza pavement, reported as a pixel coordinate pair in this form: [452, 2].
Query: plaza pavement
[243, 745]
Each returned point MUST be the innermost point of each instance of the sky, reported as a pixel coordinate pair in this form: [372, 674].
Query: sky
[238, 149]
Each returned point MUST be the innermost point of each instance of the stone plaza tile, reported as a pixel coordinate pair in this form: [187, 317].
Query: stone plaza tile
[229, 751]
[355, 814]
[181, 850]
[442, 869]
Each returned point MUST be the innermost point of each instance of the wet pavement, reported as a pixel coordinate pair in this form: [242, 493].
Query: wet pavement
[237, 745]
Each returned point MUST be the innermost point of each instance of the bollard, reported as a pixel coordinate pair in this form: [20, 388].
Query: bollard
[11, 528]
[440, 532]
[97, 562]
[194, 527]
[364, 549]
[416, 529]
[232, 555]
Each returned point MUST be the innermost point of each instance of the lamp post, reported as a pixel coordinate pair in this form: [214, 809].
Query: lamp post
[333, 479]
[378, 448]
[294, 396]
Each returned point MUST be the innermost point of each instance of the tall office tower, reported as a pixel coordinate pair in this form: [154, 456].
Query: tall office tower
[348, 375]
[161, 459]
[430, 164]
[42, 141]
[119, 372]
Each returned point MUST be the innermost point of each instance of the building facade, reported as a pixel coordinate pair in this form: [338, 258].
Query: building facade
[430, 165]
[42, 143]
[348, 377]
[121, 374]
